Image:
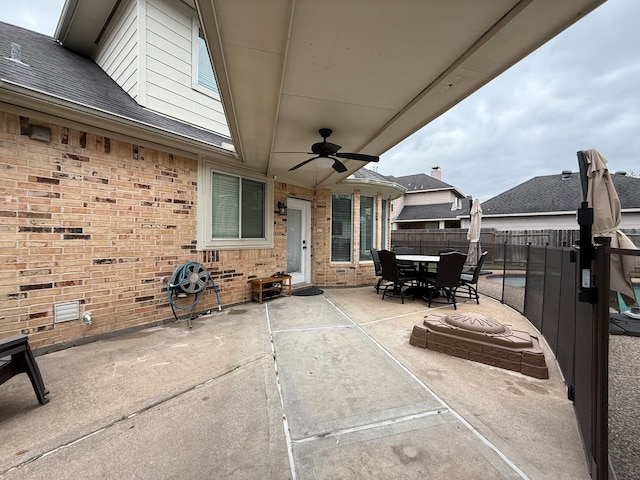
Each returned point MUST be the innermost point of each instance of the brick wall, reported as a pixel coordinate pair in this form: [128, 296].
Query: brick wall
[103, 222]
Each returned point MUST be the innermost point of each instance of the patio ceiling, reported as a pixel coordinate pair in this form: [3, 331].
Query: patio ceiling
[374, 71]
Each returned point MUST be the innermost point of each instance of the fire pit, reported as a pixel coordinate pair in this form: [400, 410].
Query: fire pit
[481, 339]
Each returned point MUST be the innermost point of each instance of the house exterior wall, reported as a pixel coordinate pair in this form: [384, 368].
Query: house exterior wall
[147, 50]
[119, 51]
[101, 221]
[565, 221]
[325, 272]
[429, 198]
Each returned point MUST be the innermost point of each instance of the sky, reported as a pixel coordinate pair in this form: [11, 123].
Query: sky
[581, 90]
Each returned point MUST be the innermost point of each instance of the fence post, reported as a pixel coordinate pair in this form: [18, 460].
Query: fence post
[504, 270]
[600, 359]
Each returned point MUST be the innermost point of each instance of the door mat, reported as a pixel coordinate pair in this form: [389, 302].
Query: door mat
[307, 292]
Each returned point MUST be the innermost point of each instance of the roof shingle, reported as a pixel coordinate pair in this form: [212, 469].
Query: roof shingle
[554, 193]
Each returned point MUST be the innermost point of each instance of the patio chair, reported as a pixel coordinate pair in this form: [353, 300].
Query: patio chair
[406, 268]
[16, 357]
[378, 268]
[447, 278]
[470, 280]
[393, 275]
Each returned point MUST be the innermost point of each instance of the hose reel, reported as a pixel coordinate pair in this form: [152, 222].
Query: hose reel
[190, 279]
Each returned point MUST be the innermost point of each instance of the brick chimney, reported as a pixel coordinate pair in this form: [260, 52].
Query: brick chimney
[436, 173]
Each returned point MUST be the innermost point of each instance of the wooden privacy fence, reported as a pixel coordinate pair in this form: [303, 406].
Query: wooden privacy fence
[509, 246]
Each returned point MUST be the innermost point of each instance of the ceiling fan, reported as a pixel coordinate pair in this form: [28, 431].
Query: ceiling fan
[329, 150]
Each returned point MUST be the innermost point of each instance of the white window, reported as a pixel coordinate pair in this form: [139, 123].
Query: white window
[204, 79]
[341, 228]
[383, 227]
[233, 210]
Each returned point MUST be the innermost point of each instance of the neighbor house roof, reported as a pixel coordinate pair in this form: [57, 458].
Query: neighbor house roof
[421, 182]
[436, 211]
[54, 74]
[556, 193]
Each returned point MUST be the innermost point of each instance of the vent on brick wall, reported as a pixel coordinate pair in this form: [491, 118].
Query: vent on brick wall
[64, 312]
[210, 256]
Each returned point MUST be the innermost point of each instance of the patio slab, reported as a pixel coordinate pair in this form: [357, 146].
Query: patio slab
[298, 387]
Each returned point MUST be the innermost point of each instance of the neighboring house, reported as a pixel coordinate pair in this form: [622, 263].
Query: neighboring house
[551, 202]
[115, 158]
[428, 203]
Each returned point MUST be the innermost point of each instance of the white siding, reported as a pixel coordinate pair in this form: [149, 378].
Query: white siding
[429, 198]
[168, 68]
[118, 53]
[147, 50]
[558, 222]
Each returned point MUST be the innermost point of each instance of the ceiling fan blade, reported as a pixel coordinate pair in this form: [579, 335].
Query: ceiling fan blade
[302, 164]
[358, 156]
[338, 166]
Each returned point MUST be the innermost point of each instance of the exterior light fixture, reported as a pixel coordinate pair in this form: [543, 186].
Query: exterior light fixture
[324, 162]
[282, 207]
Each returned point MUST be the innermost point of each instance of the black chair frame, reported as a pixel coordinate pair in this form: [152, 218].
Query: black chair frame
[469, 281]
[393, 275]
[447, 278]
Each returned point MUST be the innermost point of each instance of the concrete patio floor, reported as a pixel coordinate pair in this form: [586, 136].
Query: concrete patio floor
[321, 387]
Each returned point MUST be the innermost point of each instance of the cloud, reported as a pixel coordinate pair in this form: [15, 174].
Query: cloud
[37, 15]
[581, 90]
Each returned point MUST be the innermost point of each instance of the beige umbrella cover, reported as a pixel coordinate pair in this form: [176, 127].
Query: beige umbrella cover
[603, 198]
[473, 234]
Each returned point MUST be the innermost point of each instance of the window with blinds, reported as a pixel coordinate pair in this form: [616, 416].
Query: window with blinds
[237, 207]
[383, 224]
[206, 77]
[341, 228]
[367, 227]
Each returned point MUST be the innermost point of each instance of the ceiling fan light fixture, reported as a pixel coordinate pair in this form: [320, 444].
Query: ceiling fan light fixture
[324, 162]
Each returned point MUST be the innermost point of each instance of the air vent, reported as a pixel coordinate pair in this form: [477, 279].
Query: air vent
[566, 174]
[65, 312]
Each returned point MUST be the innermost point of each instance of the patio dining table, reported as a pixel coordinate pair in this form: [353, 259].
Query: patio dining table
[419, 259]
[423, 262]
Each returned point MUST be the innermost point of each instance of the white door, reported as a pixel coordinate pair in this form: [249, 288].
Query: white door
[299, 240]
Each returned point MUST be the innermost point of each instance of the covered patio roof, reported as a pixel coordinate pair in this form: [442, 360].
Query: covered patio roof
[373, 71]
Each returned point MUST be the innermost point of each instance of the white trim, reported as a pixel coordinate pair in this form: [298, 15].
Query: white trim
[141, 20]
[204, 240]
[304, 276]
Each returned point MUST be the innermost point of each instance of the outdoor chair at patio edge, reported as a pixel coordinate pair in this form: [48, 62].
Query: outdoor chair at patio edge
[378, 268]
[447, 278]
[470, 281]
[406, 268]
[392, 273]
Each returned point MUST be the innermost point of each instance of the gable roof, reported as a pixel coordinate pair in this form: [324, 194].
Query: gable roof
[556, 193]
[60, 77]
[419, 182]
[435, 211]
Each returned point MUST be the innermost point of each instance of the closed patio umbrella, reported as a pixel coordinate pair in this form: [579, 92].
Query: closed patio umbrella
[603, 198]
[473, 234]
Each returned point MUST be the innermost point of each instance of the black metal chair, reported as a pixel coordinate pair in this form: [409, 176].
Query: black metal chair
[447, 278]
[470, 280]
[392, 274]
[406, 268]
[16, 357]
[378, 268]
